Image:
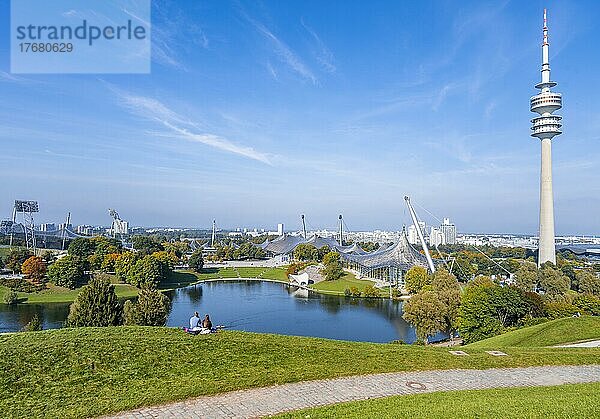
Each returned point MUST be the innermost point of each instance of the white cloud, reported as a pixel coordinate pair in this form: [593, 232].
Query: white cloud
[323, 54]
[183, 128]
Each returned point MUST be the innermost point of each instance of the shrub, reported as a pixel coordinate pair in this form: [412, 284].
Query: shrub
[371, 291]
[96, 305]
[333, 267]
[355, 292]
[34, 325]
[67, 272]
[150, 309]
[587, 303]
[557, 309]
[347, 292]
[296, 267]
[21, 285]
[11, 298]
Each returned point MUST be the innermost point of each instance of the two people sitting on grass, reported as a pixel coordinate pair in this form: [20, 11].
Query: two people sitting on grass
[198, 326]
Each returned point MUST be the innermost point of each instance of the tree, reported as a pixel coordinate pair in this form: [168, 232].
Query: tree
[96, 305]
[333, 267]
[196, 260]
[416, 278]
[446, 287]
[424, 311]
[554, 283]
[67, 271]
[1, 263]
[588, 282]
[477, 316]
[322, 251]
[179, 248]
[125, 266]
[109, 262]
[306, 252]
[34, 325]
[526, 277]
[150, 309]
[82, 247]
[146, 245]
[34, 268]
[148, 271]
[167, 259]
[15, 259]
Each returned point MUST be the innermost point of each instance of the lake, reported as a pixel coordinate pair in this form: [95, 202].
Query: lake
[257, 306]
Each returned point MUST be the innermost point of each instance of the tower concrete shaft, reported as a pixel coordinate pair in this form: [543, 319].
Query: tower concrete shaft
[546, 127]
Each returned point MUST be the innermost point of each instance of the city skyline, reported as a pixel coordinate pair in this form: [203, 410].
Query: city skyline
[428, 101]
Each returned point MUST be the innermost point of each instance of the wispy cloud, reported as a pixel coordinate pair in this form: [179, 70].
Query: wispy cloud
[181, 127]
[283, 51]
[323, 54]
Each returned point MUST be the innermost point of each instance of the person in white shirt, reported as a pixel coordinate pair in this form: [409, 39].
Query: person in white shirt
[194, 321]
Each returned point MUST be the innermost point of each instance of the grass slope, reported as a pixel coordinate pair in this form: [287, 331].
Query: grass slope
[56, 294]
[555, 332]
[566, 401]
[93, 371]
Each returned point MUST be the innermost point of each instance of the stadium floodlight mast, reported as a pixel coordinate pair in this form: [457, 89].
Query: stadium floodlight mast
[26, 209]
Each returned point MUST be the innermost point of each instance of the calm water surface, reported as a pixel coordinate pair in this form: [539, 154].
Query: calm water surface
[256, 306]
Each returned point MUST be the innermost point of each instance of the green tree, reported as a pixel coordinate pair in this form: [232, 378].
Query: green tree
[446, 287]
[150, 309]
[306, 252]
[109, 262]
[11, 298]
[67, 271]
[146, 245]
[321, 252]
[333, 266]
[526, 277]
[554, 283]
[416, 278]
[588, 282]
[477, 316]
[425, 312]
[81, 247]
[179, 248]
[34, 325]
[196, 260]
[125, 266]
[148, 272]
[96, 305]
[15, 259]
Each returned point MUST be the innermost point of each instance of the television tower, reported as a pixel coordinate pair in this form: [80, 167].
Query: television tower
[545, 127]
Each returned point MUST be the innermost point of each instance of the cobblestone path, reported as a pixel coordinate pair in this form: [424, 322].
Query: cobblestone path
[266, 401]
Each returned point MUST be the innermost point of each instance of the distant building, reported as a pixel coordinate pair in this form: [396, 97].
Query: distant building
[48, 227]
[413, 236]
[436, 237]
[280, 229]
[120, 227]
[65, 226]
[449, 231]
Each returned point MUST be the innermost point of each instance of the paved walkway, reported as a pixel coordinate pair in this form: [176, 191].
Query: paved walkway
[588, 344]
[272, 400]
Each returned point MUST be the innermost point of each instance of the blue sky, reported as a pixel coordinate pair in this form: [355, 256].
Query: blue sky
[257, 112]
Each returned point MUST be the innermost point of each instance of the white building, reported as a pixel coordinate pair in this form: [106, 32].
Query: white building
[449, 231]
[48, 227]
[413, 236]
[436, 237]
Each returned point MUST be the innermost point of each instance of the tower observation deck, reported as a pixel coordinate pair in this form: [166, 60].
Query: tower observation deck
[545, 127]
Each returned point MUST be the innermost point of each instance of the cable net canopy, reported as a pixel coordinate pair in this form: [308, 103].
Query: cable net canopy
[399, 255]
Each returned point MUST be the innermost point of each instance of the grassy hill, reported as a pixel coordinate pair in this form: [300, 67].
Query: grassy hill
[555, 332]
[93, 371]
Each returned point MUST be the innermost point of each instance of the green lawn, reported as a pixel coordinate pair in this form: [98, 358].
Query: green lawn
[278, 274]
[250, 272]
[338, 286]
[566, 401]
[178, 279]
[555, 332]
[244, 272]
[93, 371]
[56, 294]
